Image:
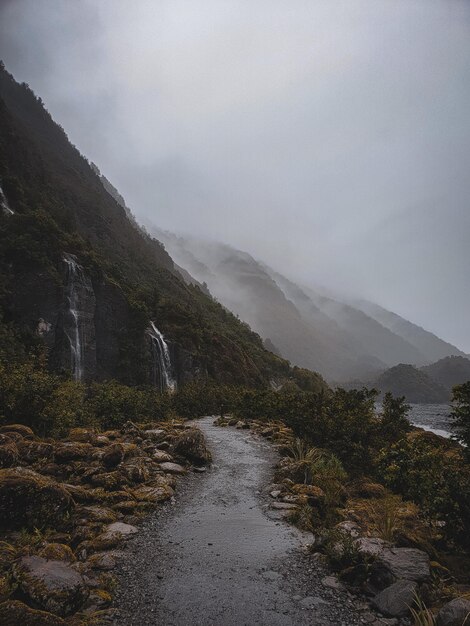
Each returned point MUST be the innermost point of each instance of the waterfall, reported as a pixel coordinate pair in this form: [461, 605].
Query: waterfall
[162, 370]
[73, 328]
[4, 203]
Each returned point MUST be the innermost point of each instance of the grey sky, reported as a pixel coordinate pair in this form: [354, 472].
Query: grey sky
[329, 138]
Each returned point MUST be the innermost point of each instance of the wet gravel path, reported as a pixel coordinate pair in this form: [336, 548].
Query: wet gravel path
[217, 557]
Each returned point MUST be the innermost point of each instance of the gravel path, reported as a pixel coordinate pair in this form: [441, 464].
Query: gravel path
[217, 557]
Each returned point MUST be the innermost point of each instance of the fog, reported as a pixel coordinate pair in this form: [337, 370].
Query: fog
[329, 138]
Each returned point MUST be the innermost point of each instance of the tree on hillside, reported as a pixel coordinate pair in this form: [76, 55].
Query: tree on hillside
[460, 414]
[394, 421]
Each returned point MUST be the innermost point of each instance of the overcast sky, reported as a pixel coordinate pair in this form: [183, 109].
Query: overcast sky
[329, 138]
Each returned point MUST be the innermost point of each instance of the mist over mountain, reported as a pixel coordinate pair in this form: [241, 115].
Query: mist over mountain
[305, 326]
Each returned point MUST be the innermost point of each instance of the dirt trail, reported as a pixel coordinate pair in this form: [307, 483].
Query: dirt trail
[217, 558]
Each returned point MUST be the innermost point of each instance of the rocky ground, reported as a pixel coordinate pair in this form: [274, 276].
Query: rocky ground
[67, 507]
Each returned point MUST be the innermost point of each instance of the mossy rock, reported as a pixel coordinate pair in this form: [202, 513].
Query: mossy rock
[52, 585]
[30, 500]
[32, 451]
[20, 429]
[9, 454]
[112, 455]
[191, 446]
[82, 435]
[57, 552]
[68, 451]
[15, 613]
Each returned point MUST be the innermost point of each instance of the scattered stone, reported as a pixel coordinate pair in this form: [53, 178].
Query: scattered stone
[160, 456]
[454, 613]
[396, 600]
[53, 585]
[155, 434]
[311, 602]
[331, 582]
[102, 561]
[173, 468]
[283, 506]
[371, 546]
[123, 529]
[275, 494]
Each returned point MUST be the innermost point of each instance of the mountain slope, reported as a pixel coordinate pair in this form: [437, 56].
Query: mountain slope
[430, 346]
[448, 372]
[61, 208]
[309, 329]
[414, 384]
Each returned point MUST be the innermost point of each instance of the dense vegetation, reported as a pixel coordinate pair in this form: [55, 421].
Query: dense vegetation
[60, 204]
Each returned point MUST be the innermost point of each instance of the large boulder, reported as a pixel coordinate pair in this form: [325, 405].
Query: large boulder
[30, 500]
[191, 445]
[400, 563]
[52, 585]
[396, 600]
[454, 613]
[13, 613]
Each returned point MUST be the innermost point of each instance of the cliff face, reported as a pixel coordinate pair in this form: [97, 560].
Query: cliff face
[79, 275]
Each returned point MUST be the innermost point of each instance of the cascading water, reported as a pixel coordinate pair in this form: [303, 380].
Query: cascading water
[4, 203]
[73, 330]
[162, 370]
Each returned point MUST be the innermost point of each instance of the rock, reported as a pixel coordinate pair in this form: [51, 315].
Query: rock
[315, 494]
[126, 530]
[276, 493]
[30, 500]
[331, 582]
[311, 602]
[129, 428]
[454, 613]
[67, 451]
[57, 552]
[95, 514]
[9, 454]
[350, 528]
[173, 468]
[400, 563]
[396, 600]
[21, 429]
[53, 585]
[191, 445]
[153, 494]
[136, 471]
[33, 451]
[104, 561]
[241, 424]
[83, 435]
[160, 456]
[371, 546]
[109, 480]
[78, 493]
[113, 455]
[99, 599]
[155, 434]
[283, 506]
[102, 440]
[13, 613]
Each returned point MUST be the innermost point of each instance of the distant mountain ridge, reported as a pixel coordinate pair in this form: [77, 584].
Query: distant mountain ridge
[431, 347]
[323, 333]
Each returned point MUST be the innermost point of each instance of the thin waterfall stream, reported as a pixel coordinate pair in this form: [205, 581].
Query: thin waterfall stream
[163, 377]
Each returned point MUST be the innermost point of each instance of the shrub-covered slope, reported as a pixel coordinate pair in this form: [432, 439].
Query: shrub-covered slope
[61, 206]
